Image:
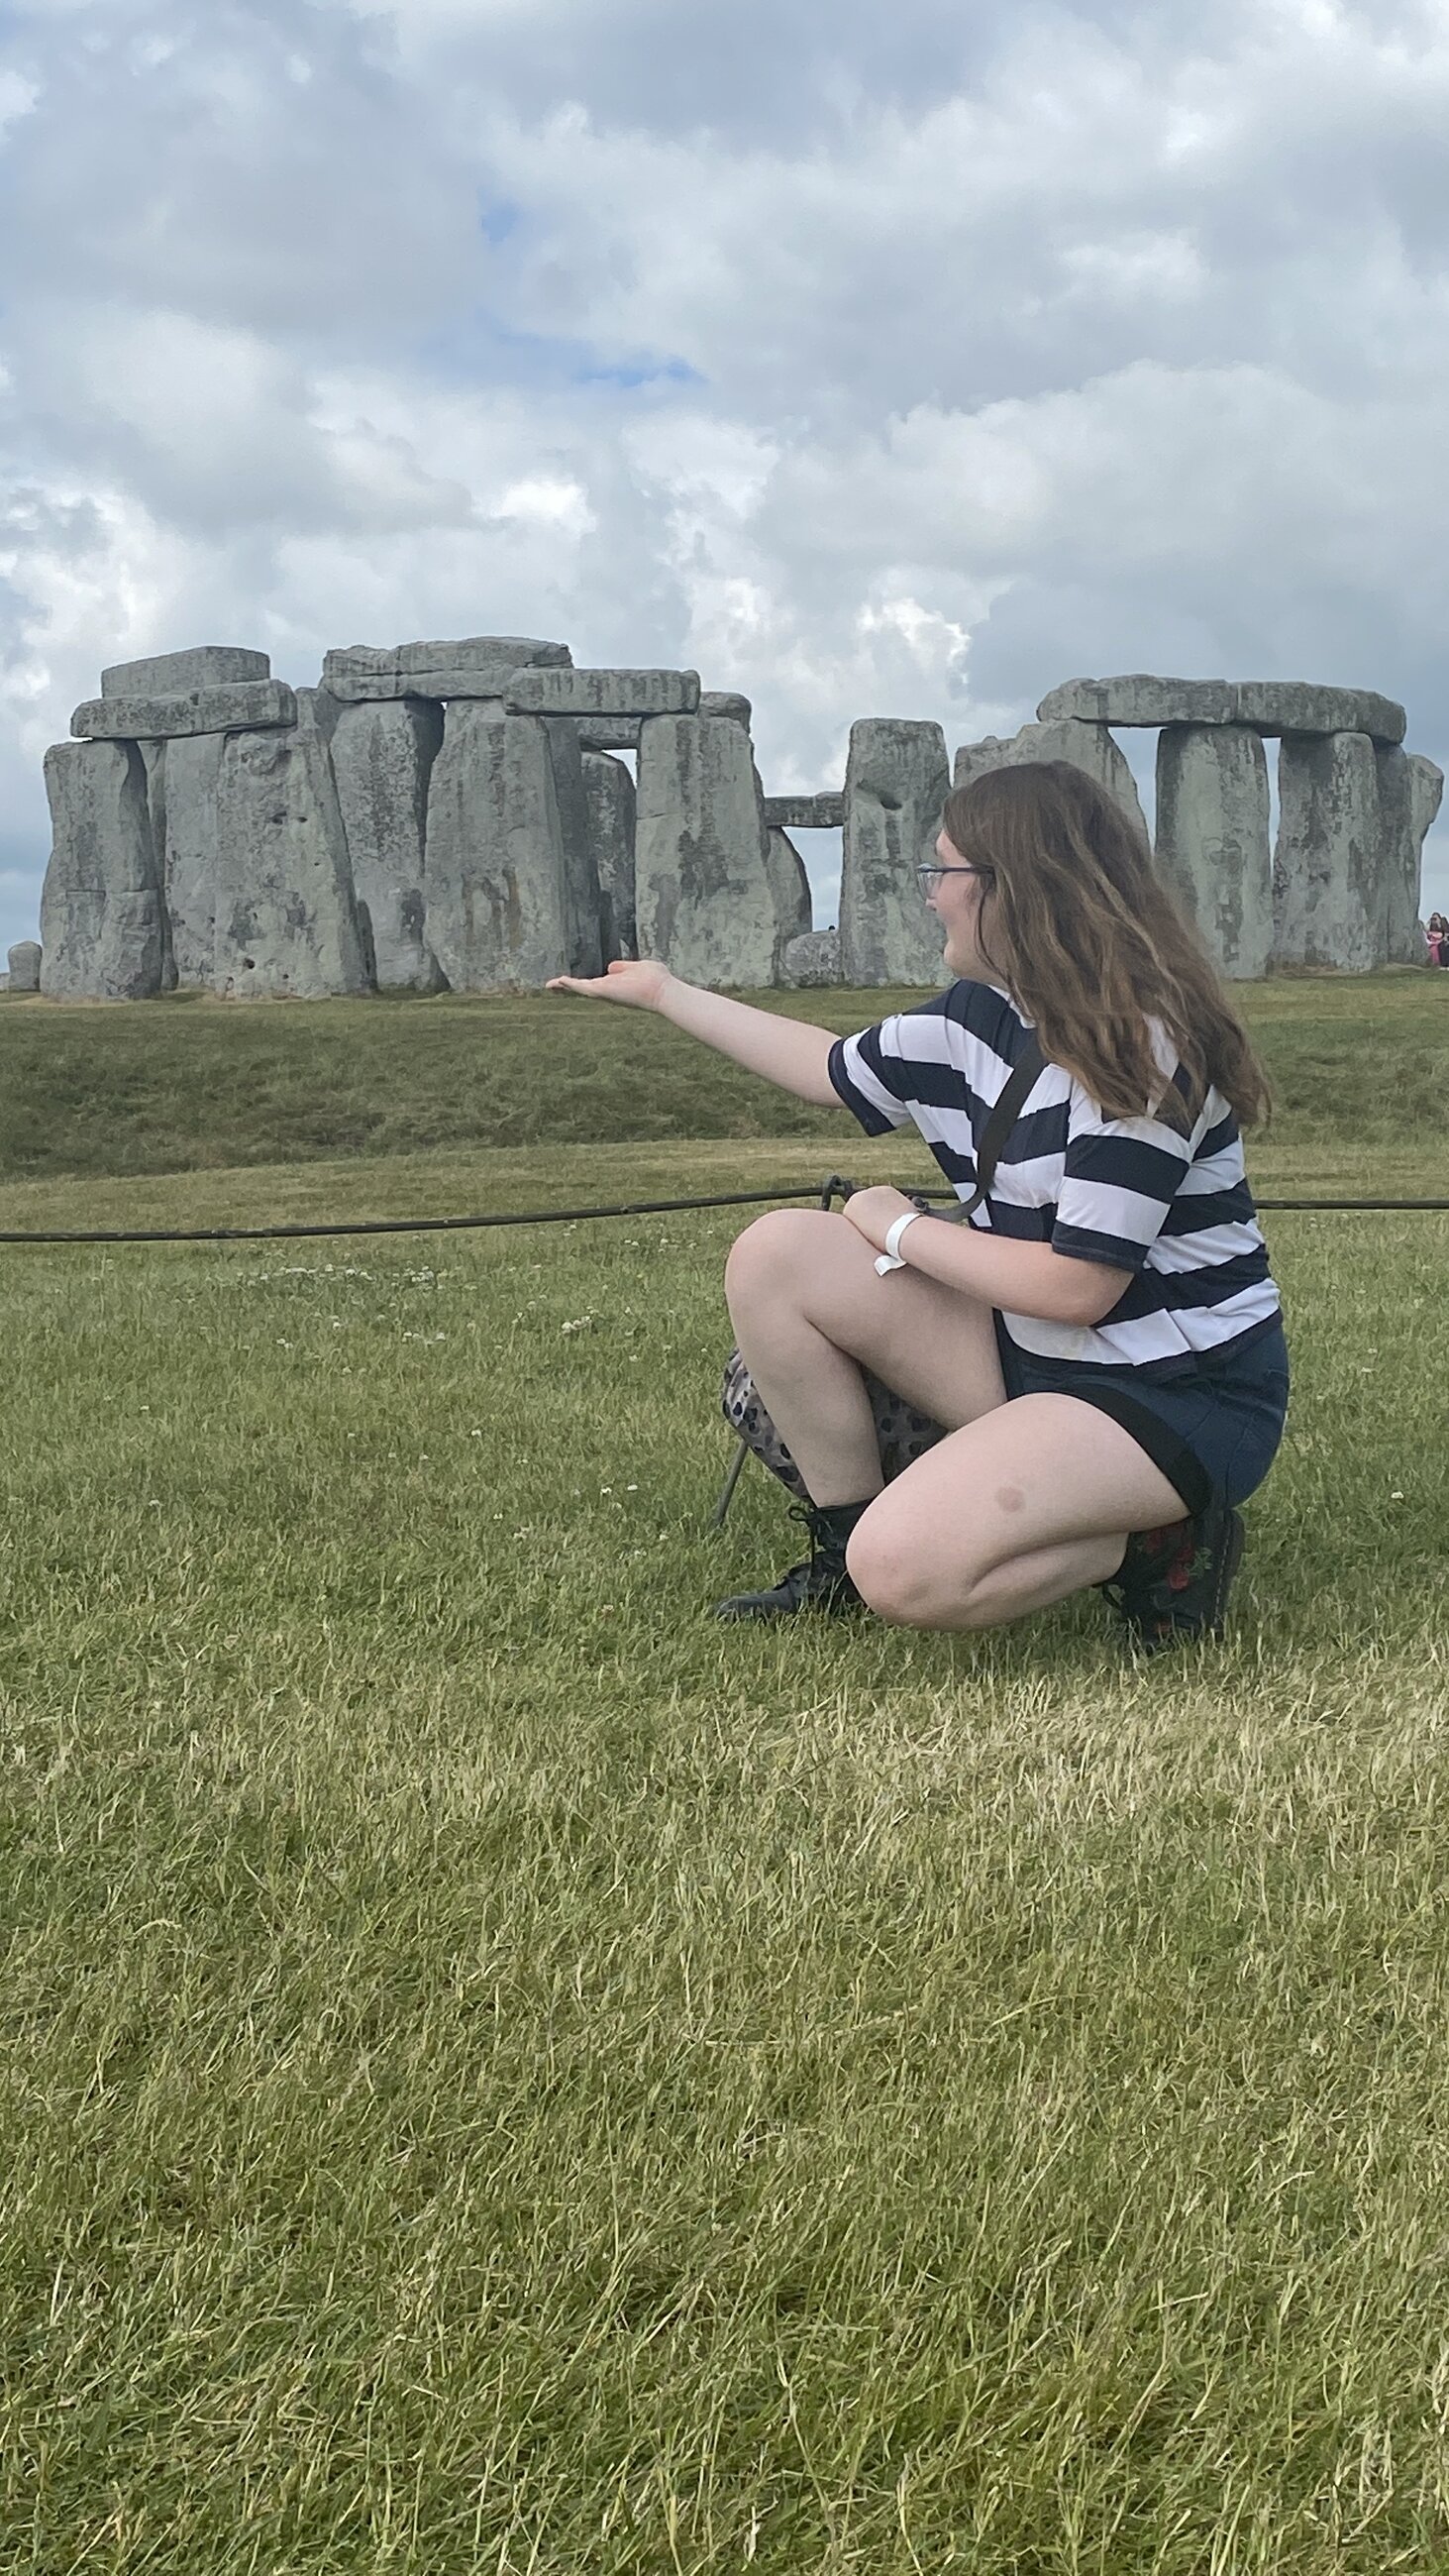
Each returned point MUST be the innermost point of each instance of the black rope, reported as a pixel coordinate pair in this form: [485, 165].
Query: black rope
[835, 1187]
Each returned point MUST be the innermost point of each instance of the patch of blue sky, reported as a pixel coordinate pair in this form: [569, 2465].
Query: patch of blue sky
[480, 349]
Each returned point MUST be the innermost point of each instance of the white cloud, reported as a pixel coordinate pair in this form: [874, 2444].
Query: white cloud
[967, 350]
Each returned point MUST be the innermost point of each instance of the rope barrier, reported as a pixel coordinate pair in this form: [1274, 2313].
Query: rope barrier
[835, 1187]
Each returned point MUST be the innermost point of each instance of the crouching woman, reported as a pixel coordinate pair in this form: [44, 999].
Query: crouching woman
[1098, 1356]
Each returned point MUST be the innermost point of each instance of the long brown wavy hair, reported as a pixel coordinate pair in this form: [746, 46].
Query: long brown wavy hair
[1078, 926]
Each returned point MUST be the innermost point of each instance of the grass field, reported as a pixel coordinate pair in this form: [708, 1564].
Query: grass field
[501, 2073]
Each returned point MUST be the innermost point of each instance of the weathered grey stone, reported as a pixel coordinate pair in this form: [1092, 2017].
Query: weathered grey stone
[1410, 791]
[244, 707]
[790, 887]
[610, 796]
[495, 874]
[1328, 902]
[805, 813]
[583, 929]
[286, 914]
[153, 761]
[469, 666]
[1085, 746]
[1269, 706]
[102, 921]
[23, 961]
[896, 783]
[189, 853]
[609, 733]
[166, 675]
[538, 692]
[1212, 840]
[382, 760]
[728, 703]
[703, 897]
[812, 959]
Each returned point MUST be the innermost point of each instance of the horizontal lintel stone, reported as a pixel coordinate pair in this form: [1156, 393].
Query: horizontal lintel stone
[609, 733]
[805, 813]
[468, 666]
[247, 706]
[1137, 698]
[165, 675]
[536, 692]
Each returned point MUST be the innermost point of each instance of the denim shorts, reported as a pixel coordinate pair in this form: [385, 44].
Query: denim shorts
[1216, 1427]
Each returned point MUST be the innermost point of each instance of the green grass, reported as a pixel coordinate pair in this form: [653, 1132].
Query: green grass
[189, 1084]
[501, 2073]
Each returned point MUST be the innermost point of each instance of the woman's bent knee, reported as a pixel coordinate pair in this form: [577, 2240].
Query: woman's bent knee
[779, 1241]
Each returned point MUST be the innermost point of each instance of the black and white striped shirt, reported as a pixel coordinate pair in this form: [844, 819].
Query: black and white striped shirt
[1135, 1194]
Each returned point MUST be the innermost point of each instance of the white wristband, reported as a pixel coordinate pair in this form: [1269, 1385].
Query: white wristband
[891, 1259]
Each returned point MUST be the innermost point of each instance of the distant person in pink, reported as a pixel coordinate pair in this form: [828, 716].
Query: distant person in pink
[1438, 937]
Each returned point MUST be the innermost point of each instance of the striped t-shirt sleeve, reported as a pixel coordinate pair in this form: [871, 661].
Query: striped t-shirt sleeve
[1119, 1180]
[870, 1077]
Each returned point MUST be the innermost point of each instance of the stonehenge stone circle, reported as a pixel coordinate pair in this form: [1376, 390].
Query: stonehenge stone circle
[244, 706]
[454, 814]
[610, 794]
[103, 928]
[705, 896]
[23, 961]
[1085, 746]
[478, 666]
[896, 783]
[1212, 840]
[1269, 706]
[383, 752]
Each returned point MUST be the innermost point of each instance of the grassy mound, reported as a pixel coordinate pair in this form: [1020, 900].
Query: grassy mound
[192, 1085]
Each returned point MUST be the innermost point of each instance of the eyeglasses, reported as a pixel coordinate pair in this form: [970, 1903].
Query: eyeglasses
[931, 877]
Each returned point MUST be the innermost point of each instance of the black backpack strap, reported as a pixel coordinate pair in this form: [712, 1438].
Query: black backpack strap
[1004, 1114]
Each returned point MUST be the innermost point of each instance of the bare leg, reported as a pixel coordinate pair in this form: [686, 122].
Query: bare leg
[810, 1312]
[1014, 1511]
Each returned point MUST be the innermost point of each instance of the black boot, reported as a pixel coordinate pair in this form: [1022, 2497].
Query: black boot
[1173, 1583]
[820, 1582]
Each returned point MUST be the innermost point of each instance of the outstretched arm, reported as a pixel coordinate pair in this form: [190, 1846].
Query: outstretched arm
[793, 1053]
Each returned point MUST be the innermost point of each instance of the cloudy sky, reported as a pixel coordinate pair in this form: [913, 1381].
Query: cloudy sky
[874, 360]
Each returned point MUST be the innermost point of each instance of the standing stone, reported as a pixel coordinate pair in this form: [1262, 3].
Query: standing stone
[610, 796]
[495, 868]
[189, 854]
[609, 733]
[1085, 746]
[286, 916]
[811, 960]
[24, 964]
[704, 900]
[726, 702]
[382, 760]
[102, 922]
[896, 783]
[1410, 791]
[165, 675]
[1212, 840]
[153, 761]
[583, 935]
[1328, 899]
[790, 888]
